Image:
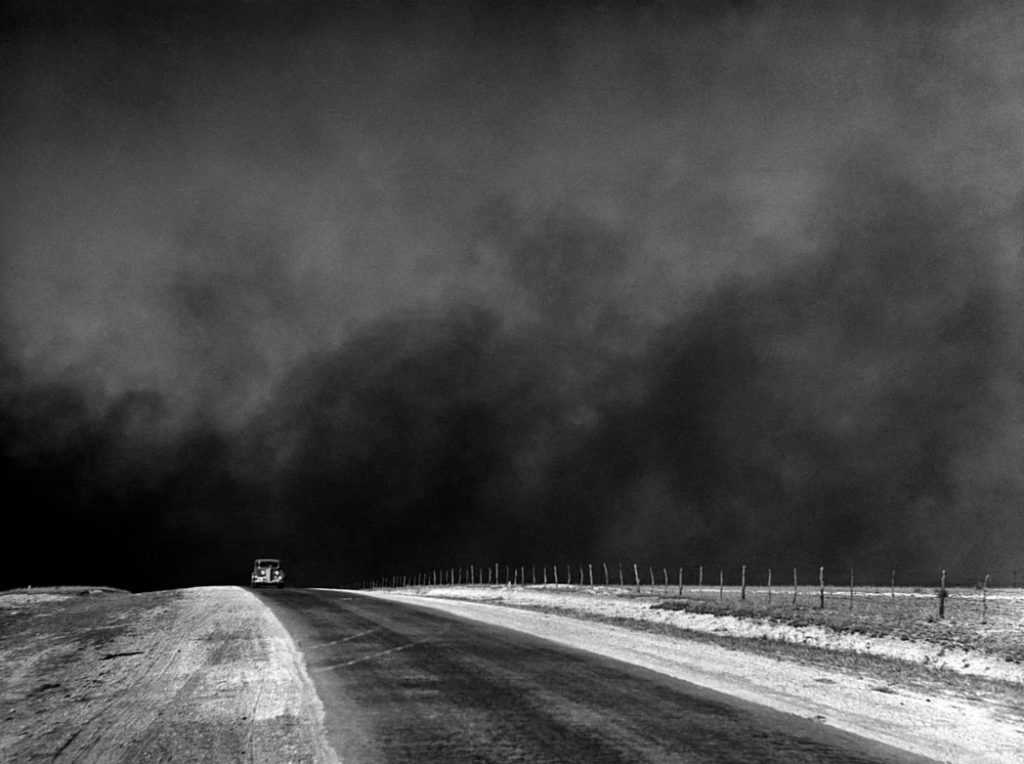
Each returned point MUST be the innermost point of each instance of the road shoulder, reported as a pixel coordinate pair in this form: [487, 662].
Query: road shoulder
[206, 674]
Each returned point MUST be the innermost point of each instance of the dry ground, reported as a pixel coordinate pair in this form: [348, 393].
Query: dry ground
[97, 675]
[197, 675]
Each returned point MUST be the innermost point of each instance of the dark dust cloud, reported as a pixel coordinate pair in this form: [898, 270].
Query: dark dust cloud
[380, 287]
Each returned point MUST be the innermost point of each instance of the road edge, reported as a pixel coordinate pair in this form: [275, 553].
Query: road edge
[284, 654]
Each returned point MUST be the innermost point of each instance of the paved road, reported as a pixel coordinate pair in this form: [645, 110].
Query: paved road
[406, 684]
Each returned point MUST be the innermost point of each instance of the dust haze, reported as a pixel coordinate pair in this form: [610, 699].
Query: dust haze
[380, 287]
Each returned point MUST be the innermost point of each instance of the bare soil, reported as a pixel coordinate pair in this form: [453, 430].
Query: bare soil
[199, 675]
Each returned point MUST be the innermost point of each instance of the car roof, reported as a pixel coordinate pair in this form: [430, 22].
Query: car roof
[267, 559]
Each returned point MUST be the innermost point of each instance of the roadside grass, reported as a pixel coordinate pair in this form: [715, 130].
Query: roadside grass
[995, 627]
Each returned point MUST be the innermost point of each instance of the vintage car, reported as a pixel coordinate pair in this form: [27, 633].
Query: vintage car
[267, 572]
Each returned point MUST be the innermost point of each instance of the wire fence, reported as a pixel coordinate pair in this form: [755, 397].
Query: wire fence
[732, 589]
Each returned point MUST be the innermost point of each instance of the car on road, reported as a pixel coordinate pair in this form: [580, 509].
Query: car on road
[267, 571]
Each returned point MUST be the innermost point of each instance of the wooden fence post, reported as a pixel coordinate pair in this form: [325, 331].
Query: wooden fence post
[942, 596]
[892, 586]
[636, 575]
[581, 575]
[650, 569]
[680, 582]
[554, 571]
[721, 585]
[795, 587]
[769, 586]
[534, 575]
[821, 587]
[851, 588]
[590, 571]
[665, 571]
[700, 579]
[984, 600]
[568, 574]
[605, 566]
[743, 583]
[545, 575]
[622, 581]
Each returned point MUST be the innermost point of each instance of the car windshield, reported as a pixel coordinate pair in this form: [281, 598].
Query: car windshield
[267, 564]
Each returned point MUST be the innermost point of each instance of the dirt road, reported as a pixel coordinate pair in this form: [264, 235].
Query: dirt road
[958, 729]
[407, 684]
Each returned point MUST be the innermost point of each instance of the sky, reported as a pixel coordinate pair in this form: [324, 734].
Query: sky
[380, 288]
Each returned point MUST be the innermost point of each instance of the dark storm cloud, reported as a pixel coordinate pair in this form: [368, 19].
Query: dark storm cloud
[396, 284]
[841, 411]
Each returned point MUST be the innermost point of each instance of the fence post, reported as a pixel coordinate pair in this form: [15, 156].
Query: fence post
[769, 586]
[721, 585]
[821, 586]
[700, 579]
[636, 575]
[851, 588]
[984, 600]
[568, 574]
[622, 581]
[605, 566]
[554, 572]
[545, 575]
[650, 569]
[892, 586]
[680, 582]
[942, 596]
[795, 588]
[534, 575]
[743, 583]
[590, 570]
